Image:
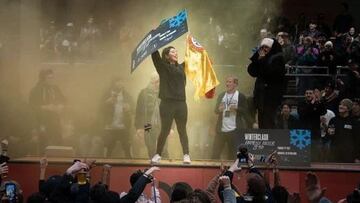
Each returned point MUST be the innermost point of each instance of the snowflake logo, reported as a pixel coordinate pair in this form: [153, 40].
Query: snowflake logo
[177, 20]
[300, 138]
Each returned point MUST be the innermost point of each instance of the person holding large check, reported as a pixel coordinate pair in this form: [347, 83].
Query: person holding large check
[173, 99]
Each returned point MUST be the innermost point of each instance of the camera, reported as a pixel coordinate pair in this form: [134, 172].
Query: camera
[10, 191]
[242, 154]
[147, 127]
[4, 159]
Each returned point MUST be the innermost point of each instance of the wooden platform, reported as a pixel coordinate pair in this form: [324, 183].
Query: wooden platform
[355, 167]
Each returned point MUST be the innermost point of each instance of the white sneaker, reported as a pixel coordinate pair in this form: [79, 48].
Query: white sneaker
[187, 159]
[156, 159]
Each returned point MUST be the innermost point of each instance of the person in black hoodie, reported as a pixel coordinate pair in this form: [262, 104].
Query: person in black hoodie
[285, 120]
[47, 102]
[173, 99]
[327, 57]
[116, 111]
[268, 66]
[310, 111]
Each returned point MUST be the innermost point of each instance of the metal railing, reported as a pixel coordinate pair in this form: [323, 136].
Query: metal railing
[294, 71]
[298, 71]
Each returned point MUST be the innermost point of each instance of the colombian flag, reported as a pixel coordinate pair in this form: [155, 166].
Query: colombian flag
[198, 69]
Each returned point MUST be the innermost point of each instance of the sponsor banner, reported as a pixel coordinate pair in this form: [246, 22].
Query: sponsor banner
[169, 30]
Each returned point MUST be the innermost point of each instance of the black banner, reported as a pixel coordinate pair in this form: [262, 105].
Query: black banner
[293, 146]
[168, 31]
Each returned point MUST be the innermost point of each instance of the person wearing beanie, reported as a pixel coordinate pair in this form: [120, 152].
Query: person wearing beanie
[348, 104]
[329, 44]
[342, 133]
[327, 57]
[268, 67]
[267, 42]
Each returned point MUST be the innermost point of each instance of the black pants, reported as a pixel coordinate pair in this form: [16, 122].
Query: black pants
[170, 110]
[50, 133]
[118, 134]
[151, 138]
[266, 116]
[222, 139]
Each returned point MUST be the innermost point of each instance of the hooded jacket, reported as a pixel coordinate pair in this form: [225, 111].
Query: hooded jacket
[269, 72]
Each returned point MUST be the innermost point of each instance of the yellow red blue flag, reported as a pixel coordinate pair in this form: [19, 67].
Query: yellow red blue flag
[198, 68]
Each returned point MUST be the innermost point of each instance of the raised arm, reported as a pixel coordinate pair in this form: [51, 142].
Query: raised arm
[157, 61]
[105, 179]
[139, 186]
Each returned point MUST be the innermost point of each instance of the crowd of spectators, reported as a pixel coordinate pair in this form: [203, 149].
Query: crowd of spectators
[75, 186]
[324, 63]
[71, 43]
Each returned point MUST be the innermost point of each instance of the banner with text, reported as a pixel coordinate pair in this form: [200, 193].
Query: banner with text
[293, 146]
[168, 31]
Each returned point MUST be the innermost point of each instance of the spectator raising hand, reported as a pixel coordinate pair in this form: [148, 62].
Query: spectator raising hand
[43, 166]
[314, 191]
[225, 181]
[90, 163]
[235, 166]
[228, 192]
[251, 160]
[106, 174]
[43, 163]
[4, 146]
[272, 160]
[76, 167]
[150, 171]
[4, 168]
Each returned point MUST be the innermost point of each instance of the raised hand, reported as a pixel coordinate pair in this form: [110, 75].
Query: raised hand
[43, 163]
[224, 181]
[314, 191]
[235, 166]
[4, 169]
[76, 167]
[151, 170]
[90, 163]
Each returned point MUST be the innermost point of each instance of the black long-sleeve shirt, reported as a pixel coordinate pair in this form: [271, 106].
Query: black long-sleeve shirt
[172, 78]
[136, 190]
[310, 117]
